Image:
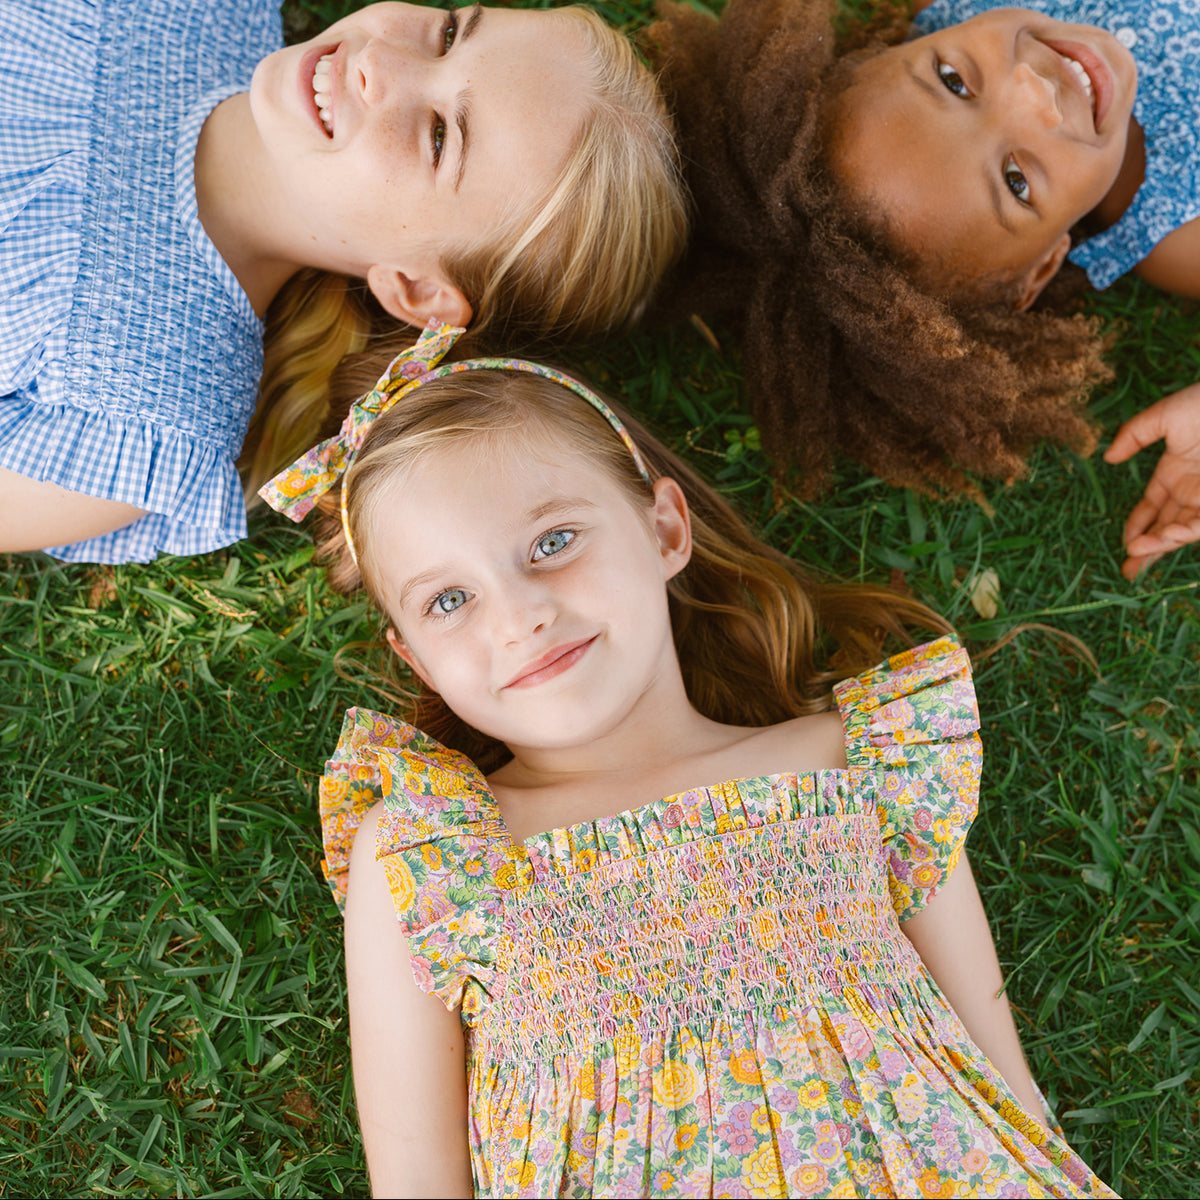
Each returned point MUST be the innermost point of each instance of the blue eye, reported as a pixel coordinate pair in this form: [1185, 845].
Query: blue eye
[1016, 182]
[553, 542]
[444, 603]
[952, 80]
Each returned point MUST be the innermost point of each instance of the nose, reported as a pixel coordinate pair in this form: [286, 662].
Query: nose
[526, 609]
[381, 71]
[1034, 98]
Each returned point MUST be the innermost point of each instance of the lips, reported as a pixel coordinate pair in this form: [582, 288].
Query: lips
[317, 85]
[551, 664]
[1082, 61]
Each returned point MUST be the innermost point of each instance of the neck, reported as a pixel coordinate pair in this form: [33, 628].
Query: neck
[653, 751]
[1129, 179]
[238, 204]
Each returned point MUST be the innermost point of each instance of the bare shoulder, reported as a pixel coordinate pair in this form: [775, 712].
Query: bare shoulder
[1174, 264]
[814, 743]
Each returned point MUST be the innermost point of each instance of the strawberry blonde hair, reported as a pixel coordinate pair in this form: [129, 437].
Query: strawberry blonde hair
[754, 630]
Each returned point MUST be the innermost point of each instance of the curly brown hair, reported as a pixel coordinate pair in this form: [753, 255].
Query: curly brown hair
[847, 349]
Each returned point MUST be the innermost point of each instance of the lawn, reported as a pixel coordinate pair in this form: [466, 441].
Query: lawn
[172, 1016]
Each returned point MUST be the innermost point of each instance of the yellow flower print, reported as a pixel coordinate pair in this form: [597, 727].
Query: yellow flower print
[812, 1094]
[432, 856]
[844, 1191]
[743, 1066]
[333, 790]
[944, 830]
[362, 795]
[933, 1186]
[764, 1120]
[521, 1175]
[401, 882]
[685, 1136]
[674, 1085]
[926, 875]
[974, 1161]
[507, 875]
[585, 860]
[766, 930]
[761, 1172]
[810, 1179]
[664, 1181]
[629, 1053]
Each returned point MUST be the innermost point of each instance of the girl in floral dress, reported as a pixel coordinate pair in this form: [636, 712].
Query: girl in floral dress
[644, 902]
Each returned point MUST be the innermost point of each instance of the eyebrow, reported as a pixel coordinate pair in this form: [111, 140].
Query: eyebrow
[462, 114]
[557, 505]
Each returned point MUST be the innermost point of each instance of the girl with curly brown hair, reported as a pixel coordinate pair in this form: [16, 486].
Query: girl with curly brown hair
[890, 218]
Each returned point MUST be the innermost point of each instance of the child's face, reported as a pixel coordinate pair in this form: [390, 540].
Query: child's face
[983, 144]
[440, 125]
[528, 590]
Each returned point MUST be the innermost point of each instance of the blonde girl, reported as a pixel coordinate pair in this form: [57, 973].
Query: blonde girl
[177, 187]
[645, 903]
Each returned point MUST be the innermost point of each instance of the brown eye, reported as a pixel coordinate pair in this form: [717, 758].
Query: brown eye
[437, 138]
[1015, 179]
[952, 80]
[449, 30]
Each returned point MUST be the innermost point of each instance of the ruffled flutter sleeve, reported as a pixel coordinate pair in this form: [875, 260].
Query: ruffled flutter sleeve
[914, 722]
[351, 784]
[448, 859]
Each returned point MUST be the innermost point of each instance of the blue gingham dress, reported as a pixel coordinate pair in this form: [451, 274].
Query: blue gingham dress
[130, 356]
[1164, 38]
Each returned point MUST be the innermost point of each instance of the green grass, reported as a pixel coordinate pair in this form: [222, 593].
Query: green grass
[172, 1014]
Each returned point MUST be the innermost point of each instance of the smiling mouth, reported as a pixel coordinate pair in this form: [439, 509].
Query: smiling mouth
[322, 83]
[553, 663]
[1085, 80]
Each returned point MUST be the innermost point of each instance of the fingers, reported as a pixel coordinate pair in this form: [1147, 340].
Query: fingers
[1133, 566]
[1141, 430]
[1180, 530]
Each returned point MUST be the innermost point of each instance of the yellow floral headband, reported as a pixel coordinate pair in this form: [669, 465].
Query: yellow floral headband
[296, 489]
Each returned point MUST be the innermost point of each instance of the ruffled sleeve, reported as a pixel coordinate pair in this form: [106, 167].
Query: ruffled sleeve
[914, 722]
[351, 784]
[448, 859]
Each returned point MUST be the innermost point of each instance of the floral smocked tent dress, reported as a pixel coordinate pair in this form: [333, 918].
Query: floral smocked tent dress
[710, 994]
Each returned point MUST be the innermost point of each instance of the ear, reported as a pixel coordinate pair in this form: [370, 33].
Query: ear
[414, 299]
[672, 525]
[1042, 272]
[398, 647]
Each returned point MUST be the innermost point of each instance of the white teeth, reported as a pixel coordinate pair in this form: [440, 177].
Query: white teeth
[1083, 78]
[321, 92]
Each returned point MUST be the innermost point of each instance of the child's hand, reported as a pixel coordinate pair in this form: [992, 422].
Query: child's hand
[1168, 515]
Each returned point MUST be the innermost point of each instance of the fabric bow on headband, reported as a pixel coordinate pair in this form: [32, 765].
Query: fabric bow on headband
[295, 490]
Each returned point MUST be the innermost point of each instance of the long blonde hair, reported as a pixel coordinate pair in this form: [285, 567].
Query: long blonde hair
[750, 625]
[582, 262]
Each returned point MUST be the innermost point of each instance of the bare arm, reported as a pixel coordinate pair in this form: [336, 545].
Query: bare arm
[35, 515]
[410, 1073]
[1174, 264]
[952, 937]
